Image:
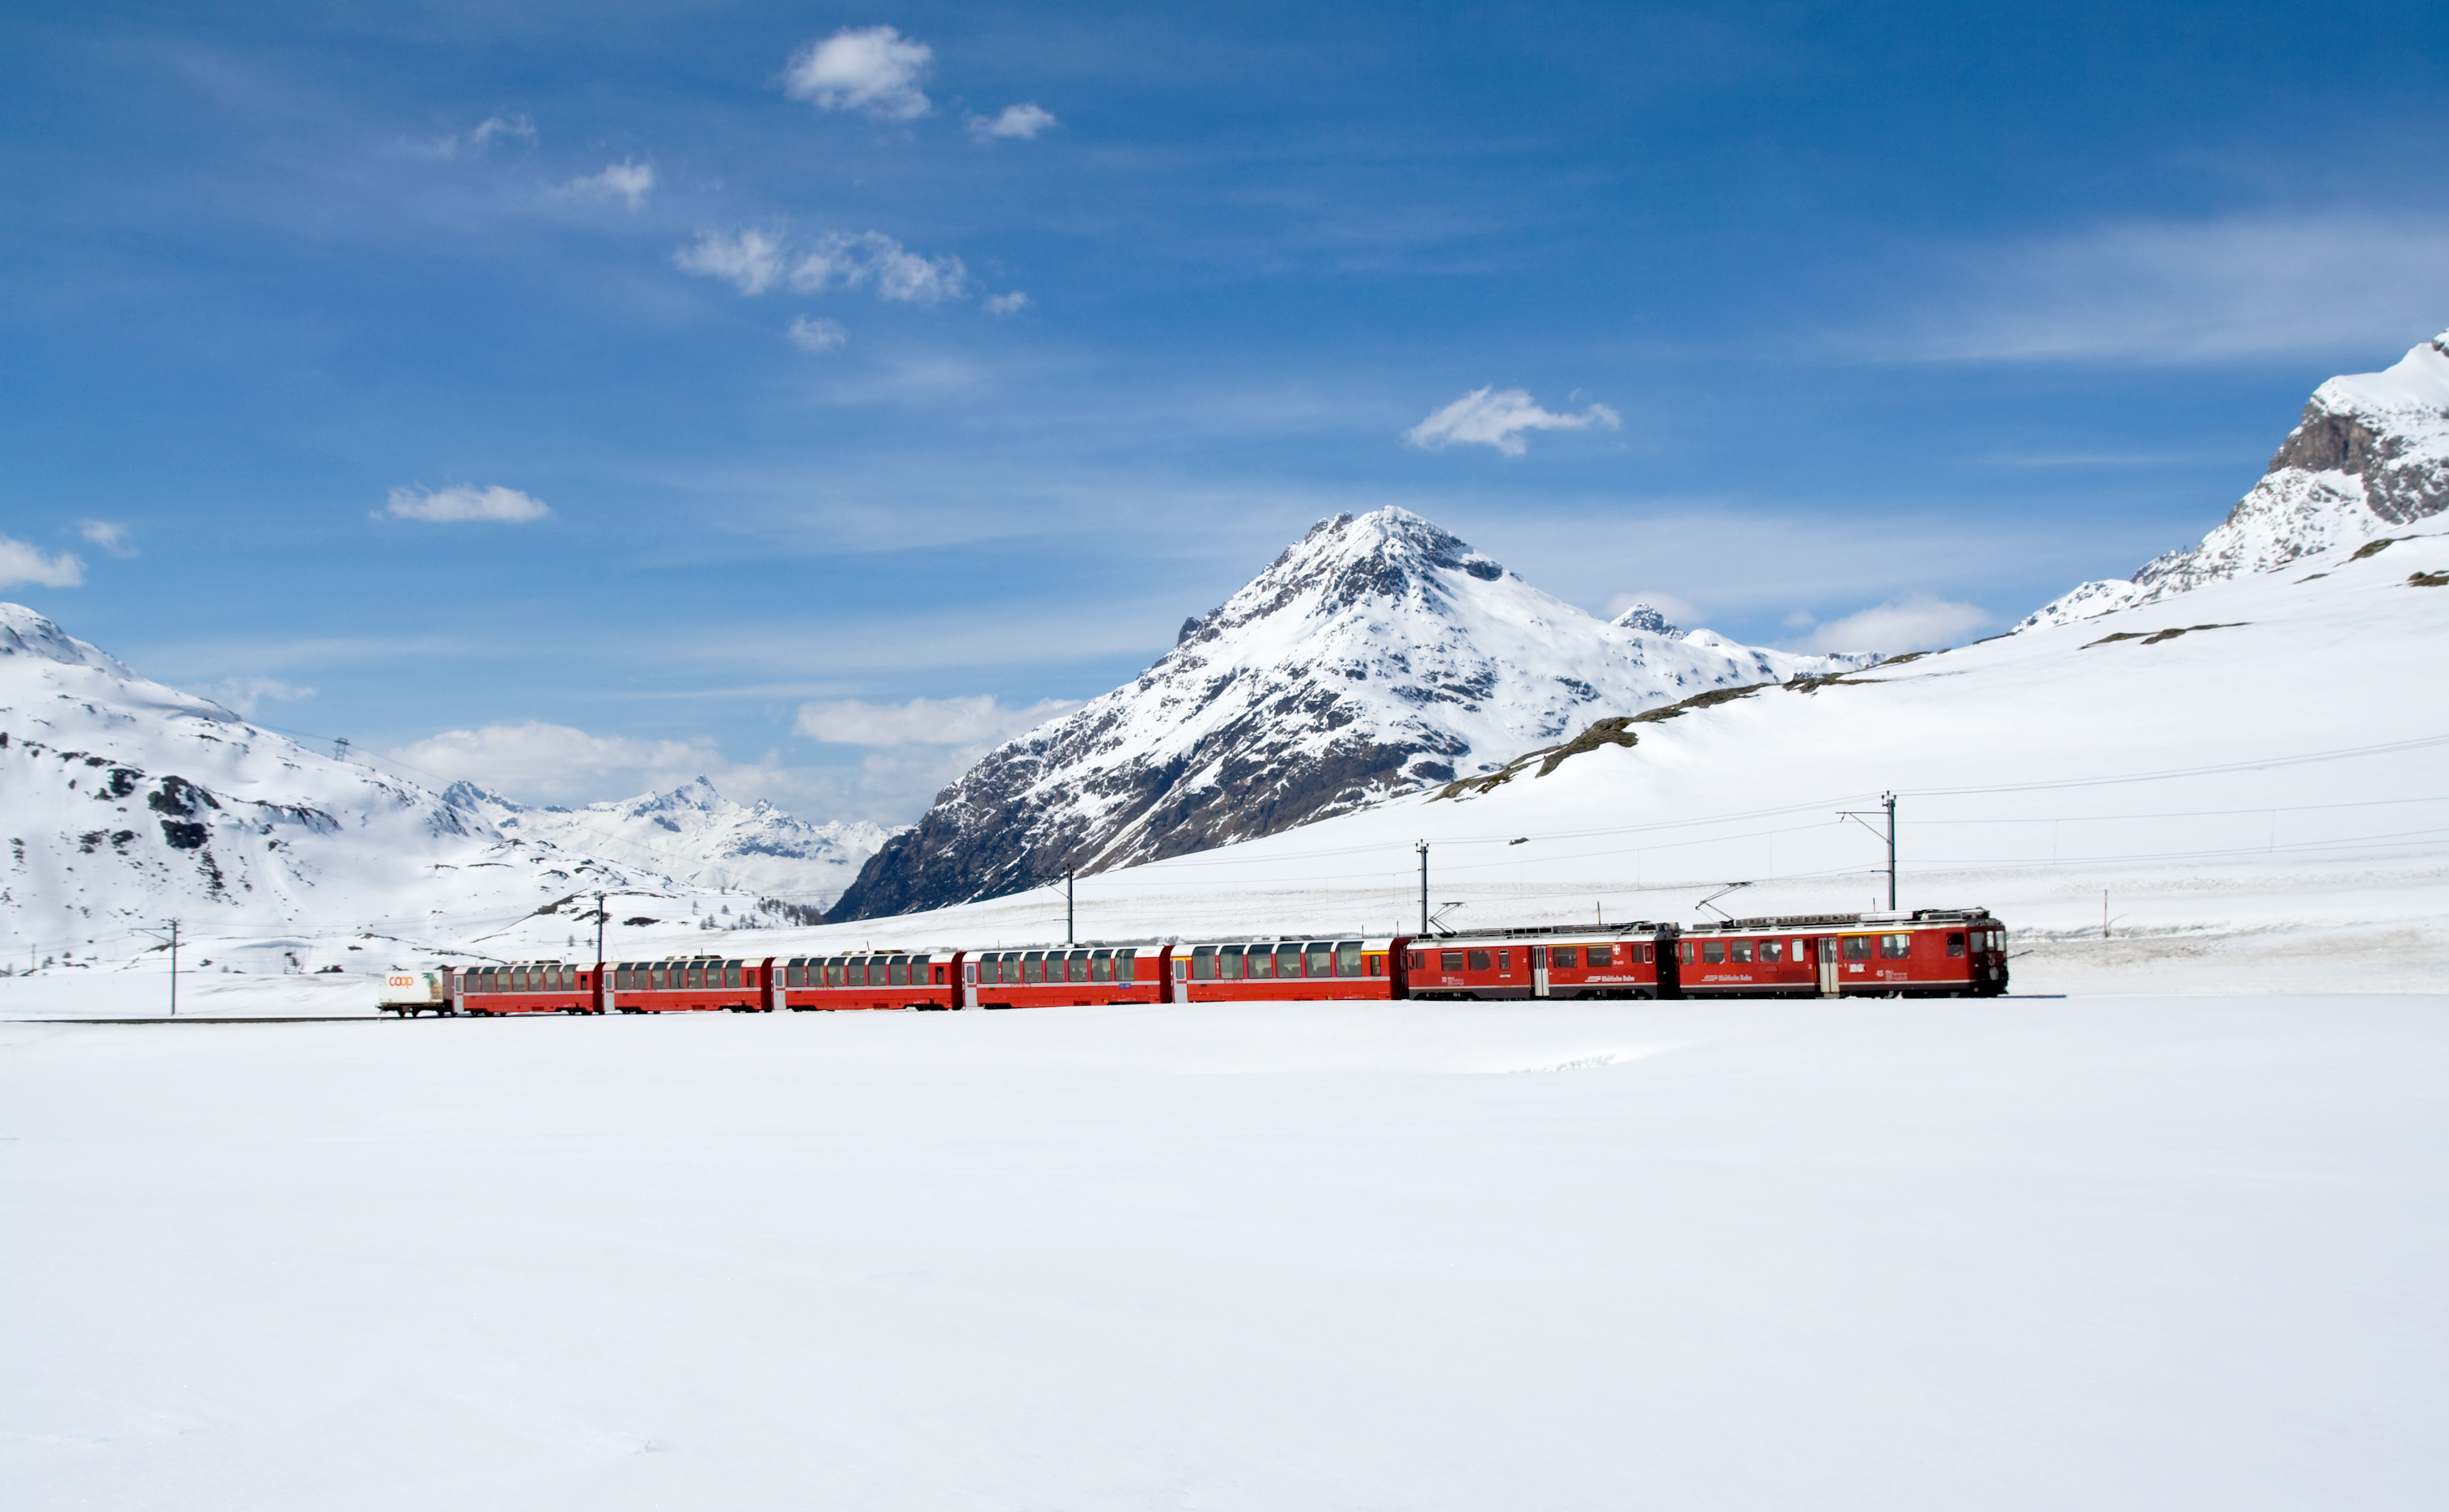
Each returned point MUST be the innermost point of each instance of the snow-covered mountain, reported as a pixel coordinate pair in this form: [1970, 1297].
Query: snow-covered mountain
[2370, 455]
[1377, 656]
[693, 833]
[128, 803]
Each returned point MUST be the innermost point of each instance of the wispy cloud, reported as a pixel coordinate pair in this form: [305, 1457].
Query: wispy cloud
[2187, 291]
[441, 506]
[1014, 123]
[871, 259]
[750, 259]
[1003, 304]
[242, 695]
[110, 537]
[22, 564]
[623, 180]
[519, 127]
[1917, 621]
[924, 721]
[753, 261]
[816, 336]
[875, 70]
[1497, 417]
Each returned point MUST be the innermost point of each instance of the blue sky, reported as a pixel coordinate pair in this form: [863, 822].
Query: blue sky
[578, 397]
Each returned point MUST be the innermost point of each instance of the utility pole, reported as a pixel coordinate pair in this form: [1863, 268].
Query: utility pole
[1070, 932]
[1890, 800]
[599, 928]
[340, 749]
[1424, 848]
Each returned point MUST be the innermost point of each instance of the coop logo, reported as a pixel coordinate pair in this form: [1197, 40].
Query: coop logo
[397, 981]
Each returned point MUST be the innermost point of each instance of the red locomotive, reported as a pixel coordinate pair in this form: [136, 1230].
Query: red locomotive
[1929, 952]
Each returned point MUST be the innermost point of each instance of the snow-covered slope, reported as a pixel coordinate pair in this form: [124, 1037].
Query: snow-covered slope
[1377, 656]
[2371, 455]
[2253, 775]
[127, 803]
[694, 834]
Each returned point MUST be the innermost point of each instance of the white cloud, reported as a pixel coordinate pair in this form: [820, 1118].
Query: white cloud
[555, 763]
[625, 179]
[873, 259]
[242, 695]
[1003, 304]
[2177, 292]
[493, 126]
[870, 259]
[485, 131]
[1497, 417]
[751, 259]
[1681, 612]
[924, 721]
[1918, 621]
[818, 335]
[875, 70]
[20, 562]
[1016, 122]
[110, 537]
[506, 505]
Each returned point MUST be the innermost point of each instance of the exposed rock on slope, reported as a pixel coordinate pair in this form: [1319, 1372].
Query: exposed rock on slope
[694, 834]
[2371, 452]
[1377, 656]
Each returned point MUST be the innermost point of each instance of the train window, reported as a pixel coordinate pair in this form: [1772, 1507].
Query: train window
[1100, 967]
[1079, 965]
[1261, 962]
[1414, 961]
[1321, 959]
[1896, 946]
[1377, 965]
[897, 971]
[1772, 950]
[1450, 960]
[1738, 950]
[1565, 957]
[731, 973]
[1998, 939]
[1601, 955]
[1202, 963]
[655, 977]
[1478, 959]
[1288, 961]
[1955, 946]
[1713, 953]
[794, 975]
[1127, 965]
[1228, 961]
[853, 971]
[1857, 947]
[832, 972]
[1504, 962]
[1801, 951]
[1347, 958]
[1684, 951]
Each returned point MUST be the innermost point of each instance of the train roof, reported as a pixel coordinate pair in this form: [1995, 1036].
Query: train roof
[1838, 921]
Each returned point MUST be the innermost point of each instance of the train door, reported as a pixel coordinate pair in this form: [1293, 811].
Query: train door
[1538, 970]
[969, 983]
[1824, 950]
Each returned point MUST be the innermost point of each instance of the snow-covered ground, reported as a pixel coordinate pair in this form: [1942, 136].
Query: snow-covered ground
[2115, 1252]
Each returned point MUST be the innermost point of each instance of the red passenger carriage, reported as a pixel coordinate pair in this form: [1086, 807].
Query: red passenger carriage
[1927, 954]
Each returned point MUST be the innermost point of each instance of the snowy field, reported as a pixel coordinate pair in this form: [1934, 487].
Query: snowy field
[2104, 1253]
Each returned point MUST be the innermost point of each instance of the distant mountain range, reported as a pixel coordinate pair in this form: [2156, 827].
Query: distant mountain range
[695, 835]
[1378, 655]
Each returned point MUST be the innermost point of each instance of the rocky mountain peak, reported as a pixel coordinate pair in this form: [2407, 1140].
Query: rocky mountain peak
[2370, 454]
[1649, 620]
[1376, 655]
[24, 633]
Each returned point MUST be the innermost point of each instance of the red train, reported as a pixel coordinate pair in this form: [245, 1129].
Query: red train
[1930, 952]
